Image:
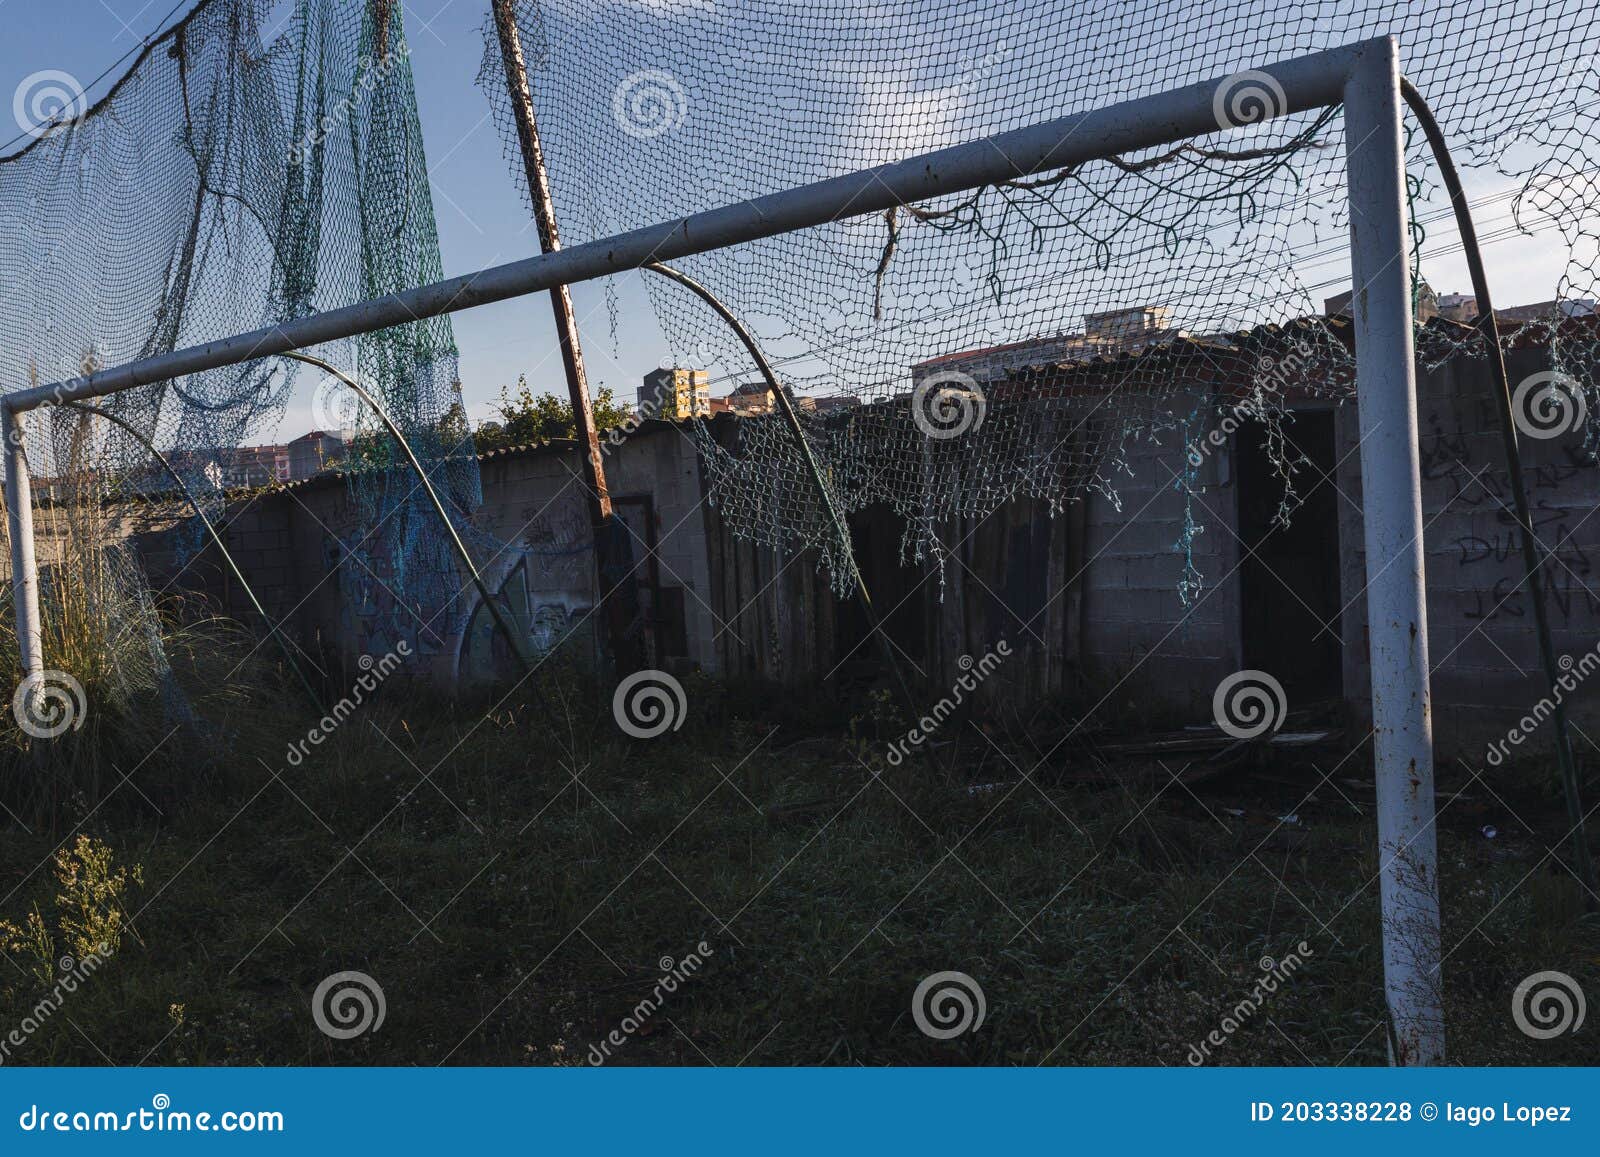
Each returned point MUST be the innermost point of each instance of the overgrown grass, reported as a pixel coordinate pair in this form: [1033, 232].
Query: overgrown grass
[109, 694]
[512, 876]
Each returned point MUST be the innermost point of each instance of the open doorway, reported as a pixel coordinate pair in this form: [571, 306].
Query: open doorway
[1289, 582]
[899, 592]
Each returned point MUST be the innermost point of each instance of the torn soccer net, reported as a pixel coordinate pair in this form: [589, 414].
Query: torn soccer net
[241, 173]
[953, 355]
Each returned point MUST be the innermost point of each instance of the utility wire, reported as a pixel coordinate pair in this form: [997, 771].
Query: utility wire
[162, 28]
[1532, 549]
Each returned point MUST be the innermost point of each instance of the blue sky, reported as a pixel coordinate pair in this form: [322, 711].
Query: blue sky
[482, 219]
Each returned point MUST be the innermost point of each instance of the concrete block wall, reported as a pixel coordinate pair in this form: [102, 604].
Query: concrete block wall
[537, 509]
[1128, 621]
[1482, 643]
[1135, 623]
[179, 556]
[308, 555]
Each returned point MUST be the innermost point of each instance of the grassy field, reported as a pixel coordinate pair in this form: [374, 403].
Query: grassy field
[515, 878]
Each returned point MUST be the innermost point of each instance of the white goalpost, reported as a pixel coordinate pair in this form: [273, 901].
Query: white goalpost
[1363, 77]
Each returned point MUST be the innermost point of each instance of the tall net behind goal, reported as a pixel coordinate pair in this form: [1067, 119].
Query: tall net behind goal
[260, 161]
[1013, 342]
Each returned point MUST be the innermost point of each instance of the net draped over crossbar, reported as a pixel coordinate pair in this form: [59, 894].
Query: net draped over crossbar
[238, 175]
[948, 356]
[653, 110]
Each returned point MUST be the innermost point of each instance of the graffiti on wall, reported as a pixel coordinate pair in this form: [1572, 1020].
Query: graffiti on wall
[1561, 495]
[548, 595]
[560, 545]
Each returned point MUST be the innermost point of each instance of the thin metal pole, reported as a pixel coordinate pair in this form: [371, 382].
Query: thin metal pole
[1397, 623]
[841, 528]
[24, 562]
[544, 216]
[216, 538]
[1309, 82]
[518, 646]
[1532, 548]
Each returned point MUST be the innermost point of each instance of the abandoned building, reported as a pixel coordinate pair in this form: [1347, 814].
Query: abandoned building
[1161, 594]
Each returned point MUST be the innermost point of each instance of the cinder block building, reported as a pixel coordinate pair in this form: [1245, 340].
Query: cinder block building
[1183, 580]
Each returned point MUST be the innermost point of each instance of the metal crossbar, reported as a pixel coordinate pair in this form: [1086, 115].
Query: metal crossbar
[1364, 77]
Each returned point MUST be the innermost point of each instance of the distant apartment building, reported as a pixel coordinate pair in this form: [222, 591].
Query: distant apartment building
[750, 398]
[1429, 304]
[754, 399]
[1104, 335]
[1551, 311]
[311, 454]
[234, 467]
[675, 393]
[1128, 328]
[826, 405]
[253, 465]
[1462, 307]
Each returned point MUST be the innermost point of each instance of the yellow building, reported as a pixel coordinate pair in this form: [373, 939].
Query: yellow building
[674, 393]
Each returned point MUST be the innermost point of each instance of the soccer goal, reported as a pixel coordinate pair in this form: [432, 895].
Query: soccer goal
[1364, 78]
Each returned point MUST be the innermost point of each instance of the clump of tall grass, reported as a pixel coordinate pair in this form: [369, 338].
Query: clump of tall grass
[91, 910]
[105, 642]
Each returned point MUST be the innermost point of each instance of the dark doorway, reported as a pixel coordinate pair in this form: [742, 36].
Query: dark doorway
[899, 592]
[1289, 583]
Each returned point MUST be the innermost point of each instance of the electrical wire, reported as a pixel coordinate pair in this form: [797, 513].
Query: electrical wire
[162, 29]
[1533, 563]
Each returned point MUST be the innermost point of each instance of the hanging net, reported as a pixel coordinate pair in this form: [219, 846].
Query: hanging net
[956, 354]
[260, 161]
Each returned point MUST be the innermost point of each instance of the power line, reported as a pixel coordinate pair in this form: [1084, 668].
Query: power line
[1295, 262]
[162, 28]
